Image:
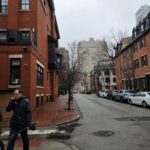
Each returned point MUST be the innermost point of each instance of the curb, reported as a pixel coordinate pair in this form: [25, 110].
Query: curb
[70, 121]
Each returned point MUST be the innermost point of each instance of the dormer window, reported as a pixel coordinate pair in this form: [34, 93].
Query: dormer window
[142, 27]
[142, 42]
[134, 34]
[24, 5]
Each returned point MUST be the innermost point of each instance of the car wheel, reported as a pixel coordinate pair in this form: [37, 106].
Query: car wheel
[130, 102]
[121, 99]
[144, 104]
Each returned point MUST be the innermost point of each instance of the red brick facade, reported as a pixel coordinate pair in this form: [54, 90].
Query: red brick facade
[41, 23]
[133, 61]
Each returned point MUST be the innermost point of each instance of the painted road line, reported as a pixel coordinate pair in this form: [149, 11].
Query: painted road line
[37, 132]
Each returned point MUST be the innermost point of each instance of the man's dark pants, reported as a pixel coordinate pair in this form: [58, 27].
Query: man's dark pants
[12, 138]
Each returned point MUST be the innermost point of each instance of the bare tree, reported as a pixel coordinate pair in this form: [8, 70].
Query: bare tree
[114, 39]
[71, 71]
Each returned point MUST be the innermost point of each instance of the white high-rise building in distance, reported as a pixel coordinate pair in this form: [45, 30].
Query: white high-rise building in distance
[90, 52]
[142, 13]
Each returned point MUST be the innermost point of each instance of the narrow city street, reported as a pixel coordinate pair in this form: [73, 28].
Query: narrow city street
[110, 125]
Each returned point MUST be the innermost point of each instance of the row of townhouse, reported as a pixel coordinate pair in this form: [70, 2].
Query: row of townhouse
[132, 62]
[28, 50]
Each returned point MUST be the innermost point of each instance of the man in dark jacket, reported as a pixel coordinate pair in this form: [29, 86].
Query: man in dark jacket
[21, 118]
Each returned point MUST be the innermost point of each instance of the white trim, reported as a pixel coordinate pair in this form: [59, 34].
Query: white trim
[15, 56]
[39, 87]
[37, 95]
[39, 63]
[3, 29]
[144, 55]
[24, 29]
[25, 10]
[147, 73]
[14, 86]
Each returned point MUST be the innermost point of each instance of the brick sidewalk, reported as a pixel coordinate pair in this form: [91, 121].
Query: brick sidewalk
[56, 112]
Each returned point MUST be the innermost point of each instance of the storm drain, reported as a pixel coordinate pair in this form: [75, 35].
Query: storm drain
[104, 133]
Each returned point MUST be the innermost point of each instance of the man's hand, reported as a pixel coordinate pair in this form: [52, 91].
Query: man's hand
[12, 98]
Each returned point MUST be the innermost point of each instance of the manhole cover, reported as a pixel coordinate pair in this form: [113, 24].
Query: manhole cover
[104, 133]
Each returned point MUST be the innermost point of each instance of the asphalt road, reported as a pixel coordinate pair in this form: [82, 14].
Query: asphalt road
[117, 126]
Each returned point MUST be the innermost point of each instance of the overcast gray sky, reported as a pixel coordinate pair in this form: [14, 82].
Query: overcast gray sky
[81, 19]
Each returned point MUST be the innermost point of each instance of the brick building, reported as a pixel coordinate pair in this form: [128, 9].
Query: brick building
[28, 50]
[103, 76]
[133, 61]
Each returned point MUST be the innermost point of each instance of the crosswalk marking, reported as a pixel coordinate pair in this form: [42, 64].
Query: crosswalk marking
[37, 132]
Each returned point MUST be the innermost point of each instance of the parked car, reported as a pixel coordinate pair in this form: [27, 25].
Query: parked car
[111, 94]
[88, 92]
[140, 98]
[103, 93]
[123, 95]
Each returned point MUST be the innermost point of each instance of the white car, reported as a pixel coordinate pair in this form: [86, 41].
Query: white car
[140, 98]
[103, 93]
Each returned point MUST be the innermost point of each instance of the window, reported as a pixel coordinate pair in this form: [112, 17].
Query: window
[24, 4]
[114, 73]
[3, 36]
[107, 72]
[107, 80]
[39, 75]
[3, 6]
[114, 80]
[136, 63]
[144, 60]
[129, 52]
[24, 35]
[15, 71]
[37, 101]
[130, 65]
[135, 34]
[142, 43]
[42, 100]
[134, 47]
[142, 27]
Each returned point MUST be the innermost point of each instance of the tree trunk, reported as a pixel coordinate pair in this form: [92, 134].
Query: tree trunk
[69, 98]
